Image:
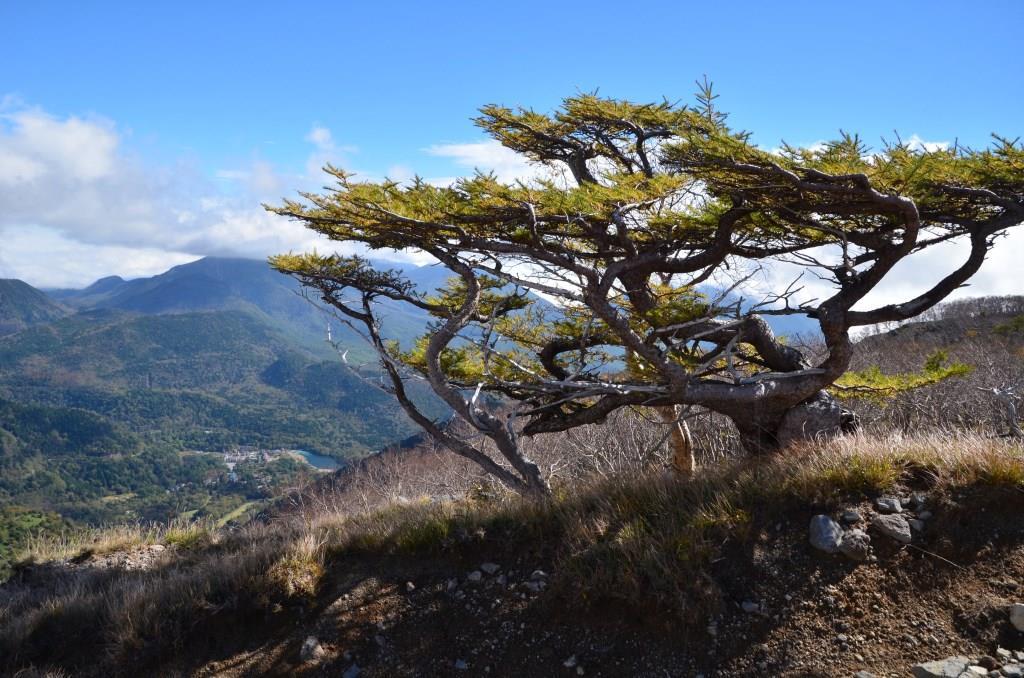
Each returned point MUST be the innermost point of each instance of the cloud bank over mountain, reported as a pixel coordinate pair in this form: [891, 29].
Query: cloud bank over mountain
[79, 203]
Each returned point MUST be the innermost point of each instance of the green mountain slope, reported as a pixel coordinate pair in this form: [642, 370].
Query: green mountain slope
[22, 305]
[200, 380]
[247, 285]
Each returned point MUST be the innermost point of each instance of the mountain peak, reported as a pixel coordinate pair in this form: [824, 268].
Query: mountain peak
[22, 305]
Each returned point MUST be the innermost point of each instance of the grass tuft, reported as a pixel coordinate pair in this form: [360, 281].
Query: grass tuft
[637, 540]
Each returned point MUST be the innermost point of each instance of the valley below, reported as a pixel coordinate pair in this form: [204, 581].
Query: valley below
[191, 394]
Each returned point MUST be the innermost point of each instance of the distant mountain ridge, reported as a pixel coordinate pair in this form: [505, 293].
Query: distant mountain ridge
[215, 283]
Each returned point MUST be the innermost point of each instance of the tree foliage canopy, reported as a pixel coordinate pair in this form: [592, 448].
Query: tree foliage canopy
[642, 229]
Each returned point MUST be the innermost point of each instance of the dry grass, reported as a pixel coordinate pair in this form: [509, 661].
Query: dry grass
[96, 541]
[635, 538]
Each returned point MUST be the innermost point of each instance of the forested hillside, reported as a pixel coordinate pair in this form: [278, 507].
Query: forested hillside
[984, 334]
[118, 401]
[22, 305]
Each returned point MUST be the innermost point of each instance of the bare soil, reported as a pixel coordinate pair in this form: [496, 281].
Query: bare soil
[817, 614]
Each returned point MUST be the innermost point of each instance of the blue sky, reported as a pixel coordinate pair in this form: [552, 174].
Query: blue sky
[200, 110]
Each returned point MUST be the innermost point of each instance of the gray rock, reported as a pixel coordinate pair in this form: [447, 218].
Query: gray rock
[352, 672]
[856, 545]
[924, 515]
[410, 587]
[851, 516]
[863, 674]
[490, 568]
[915, 501]
[537, 575]
[475, 577]
[893, 526]
[888, 505]
[951, 667]
[916, 525]
[311, 650]
[825, 534]
[570, 663]
[451, 585]
[461, 665]
[1013, 670]
[817, 417]
[750, 606]
[1017, 616]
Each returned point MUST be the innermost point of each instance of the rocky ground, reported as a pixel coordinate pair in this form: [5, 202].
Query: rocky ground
[929, 600]
[925, 580]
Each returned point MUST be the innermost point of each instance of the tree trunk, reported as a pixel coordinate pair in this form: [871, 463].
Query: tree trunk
[820, 416]
[680, 442]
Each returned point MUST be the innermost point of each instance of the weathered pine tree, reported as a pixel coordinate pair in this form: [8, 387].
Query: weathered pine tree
[635, 249]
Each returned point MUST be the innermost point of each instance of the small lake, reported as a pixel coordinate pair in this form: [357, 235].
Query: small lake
[319, 461]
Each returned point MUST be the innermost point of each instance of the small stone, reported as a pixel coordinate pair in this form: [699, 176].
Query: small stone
[1013, 670]
[988, 663]
[750, 607]
[863, 674]
[950, 667]
[893, 526]
[1017, 616]
[311, 650]
[977, 670]
[410, 587]
[842, 638]
[888, 505]
[537, 575]
[451, 584]
[851, 516]
[1003, 653]
[461, 665]
[825, 534]
[475, 577]
[924, 515]
[916, 525]
[579, 671]
[533, 586]
[570, 662]
[352, 672]
[856, 545]
[490, 568]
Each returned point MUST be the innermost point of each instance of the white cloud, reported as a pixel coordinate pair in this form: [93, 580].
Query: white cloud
[489, 155]
[35, 143]
[916, 143]
[77, 205]
[259, 178]
[321, 137]
[908, 279]
[45, 258]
